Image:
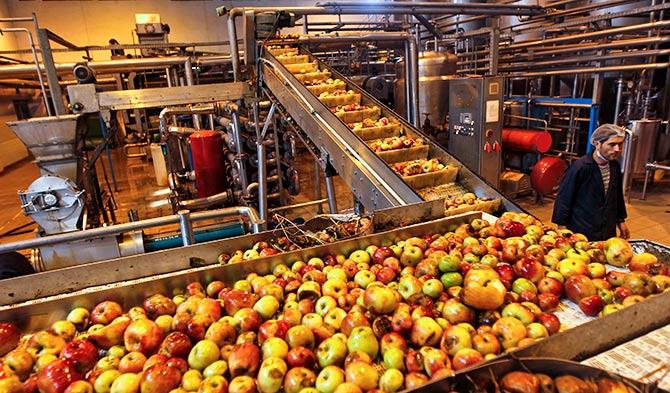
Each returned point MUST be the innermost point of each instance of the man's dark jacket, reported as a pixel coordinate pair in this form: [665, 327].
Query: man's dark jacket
[581, 204]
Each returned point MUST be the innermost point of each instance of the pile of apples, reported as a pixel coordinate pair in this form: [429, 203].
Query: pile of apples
[384, 318]
[395, 143]
[369, 123]
[527, 382]
[467, 199]
[419, 166]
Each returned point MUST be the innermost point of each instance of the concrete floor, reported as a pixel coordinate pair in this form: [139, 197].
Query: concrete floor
[138, 190]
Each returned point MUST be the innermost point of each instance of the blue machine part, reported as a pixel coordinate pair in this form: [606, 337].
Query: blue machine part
[205, 235]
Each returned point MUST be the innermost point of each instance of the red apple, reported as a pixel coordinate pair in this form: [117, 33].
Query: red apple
[551, 322]
[578, 287]
[160, 379]
[57, 376]
[158, 305]
[244, 360]
[466, 357]
[143, 335]
[591, 305]
[548, 301]
[81, 354]
[550, 285]
[104, 313]
[301, 357]
[9, 337]
[176, 344]
[132, 362]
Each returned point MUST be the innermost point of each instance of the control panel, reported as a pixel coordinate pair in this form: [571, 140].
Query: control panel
[475, 128]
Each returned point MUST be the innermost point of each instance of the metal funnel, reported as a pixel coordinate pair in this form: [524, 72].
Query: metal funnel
[50, 138]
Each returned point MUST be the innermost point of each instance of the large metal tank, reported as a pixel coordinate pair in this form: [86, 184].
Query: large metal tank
[455, 22]
[643, 145]
[435, 71]
[507, 23]
[623, 21]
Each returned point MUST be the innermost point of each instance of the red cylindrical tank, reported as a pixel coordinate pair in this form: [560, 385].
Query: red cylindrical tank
[208, 162]
[526, 140]
[547, 174]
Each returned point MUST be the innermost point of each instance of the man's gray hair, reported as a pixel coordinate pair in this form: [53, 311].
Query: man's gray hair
[605, 132]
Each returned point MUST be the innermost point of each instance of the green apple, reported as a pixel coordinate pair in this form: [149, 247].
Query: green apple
[433, 288]
[103, 383]
[449, 263]
[363, 339]
[267, 306]
[203, 353]
[329, 379]
[364, 278]
[219, 367]
[394, 358]
[523, 284]
[451, 279]
[360, 256]
[337, 273]
[331, 352]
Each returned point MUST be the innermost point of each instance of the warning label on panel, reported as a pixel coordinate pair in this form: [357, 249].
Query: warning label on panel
[492, 110]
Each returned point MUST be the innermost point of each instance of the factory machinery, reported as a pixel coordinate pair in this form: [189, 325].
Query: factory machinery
[231, 144]
[228, 148]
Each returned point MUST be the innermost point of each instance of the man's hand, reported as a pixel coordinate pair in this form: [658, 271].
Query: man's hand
[623, 230]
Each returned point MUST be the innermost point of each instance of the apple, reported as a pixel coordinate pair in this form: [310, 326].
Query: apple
[572, 266]
[611, 308]
[160, 378]
[143, 335]
[548, 301]
[411, 255]
[132, 362]
[483, 290]
[43, 343]
[451, 279]
[363, 339]
[329, 379]
[244, 359]
[103, 382]
[21, 362]
[578, 287]
[9, 337]
[550, 285]
[352, 320]
[75, 387]
[334, 318]
[362, 375]
[415, 379]
[591, 305]
[509, 331]
[391, 381]
[334, 287]
[219, 367]
[299, 378]
[466, 357]
[394, 358]
[486, 343]
[271, 375]
[242, 384]
[57, 376]
[618, 251]
[518, 311]
[379, 300]
[81, 354]
[434, 360]
[275, 347]
[300, 357]
[247, 320]
[456, 312]
[191, 380]
[105, 312]
[536, 330]
[236, 299]
[551, 322]
[64, 329]
[331, 351]
[454, 339]
[596, 270]
[364, 278]
[521, 381]
[204, 353]
[523, 284]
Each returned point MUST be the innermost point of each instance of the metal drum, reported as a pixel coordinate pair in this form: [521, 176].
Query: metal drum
[435, 70]
[643, 144]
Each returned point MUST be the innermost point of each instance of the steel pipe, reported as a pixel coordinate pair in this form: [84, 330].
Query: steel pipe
[232, 42]
[201, 203]
[188, 72]
[113, 230]
[593, 70]
[185, 227]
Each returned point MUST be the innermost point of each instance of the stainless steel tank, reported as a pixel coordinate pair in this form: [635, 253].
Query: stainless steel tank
[643, 145]
[435, 71]
[455, 22]
[534, 30]
[623, 21]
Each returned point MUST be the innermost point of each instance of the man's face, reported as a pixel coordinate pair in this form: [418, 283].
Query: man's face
[611, 149]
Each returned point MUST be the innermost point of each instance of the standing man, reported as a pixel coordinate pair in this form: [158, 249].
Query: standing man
[590, 198]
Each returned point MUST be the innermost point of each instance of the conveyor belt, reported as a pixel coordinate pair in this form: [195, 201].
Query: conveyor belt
[359, 136]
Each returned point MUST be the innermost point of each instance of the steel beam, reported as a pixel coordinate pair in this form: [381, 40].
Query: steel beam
[52, 74]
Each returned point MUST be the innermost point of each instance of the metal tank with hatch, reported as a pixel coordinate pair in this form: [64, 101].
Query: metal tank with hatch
[435, 71]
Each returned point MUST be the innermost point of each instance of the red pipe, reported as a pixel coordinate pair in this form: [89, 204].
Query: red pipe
[547, 174]
[208, 162]
[526, 140]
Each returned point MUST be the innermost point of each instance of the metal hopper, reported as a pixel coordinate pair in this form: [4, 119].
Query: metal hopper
[54, 142]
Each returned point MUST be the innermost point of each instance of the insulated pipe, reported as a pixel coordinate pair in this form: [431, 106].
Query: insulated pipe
[113, 230]
[619, 95]
[413, 61]
[239, 150]
[35, 58]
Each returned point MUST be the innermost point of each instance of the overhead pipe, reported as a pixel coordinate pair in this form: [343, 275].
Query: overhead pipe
[592, 34]
[593, 70]
[588, 59]
[188, 72]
